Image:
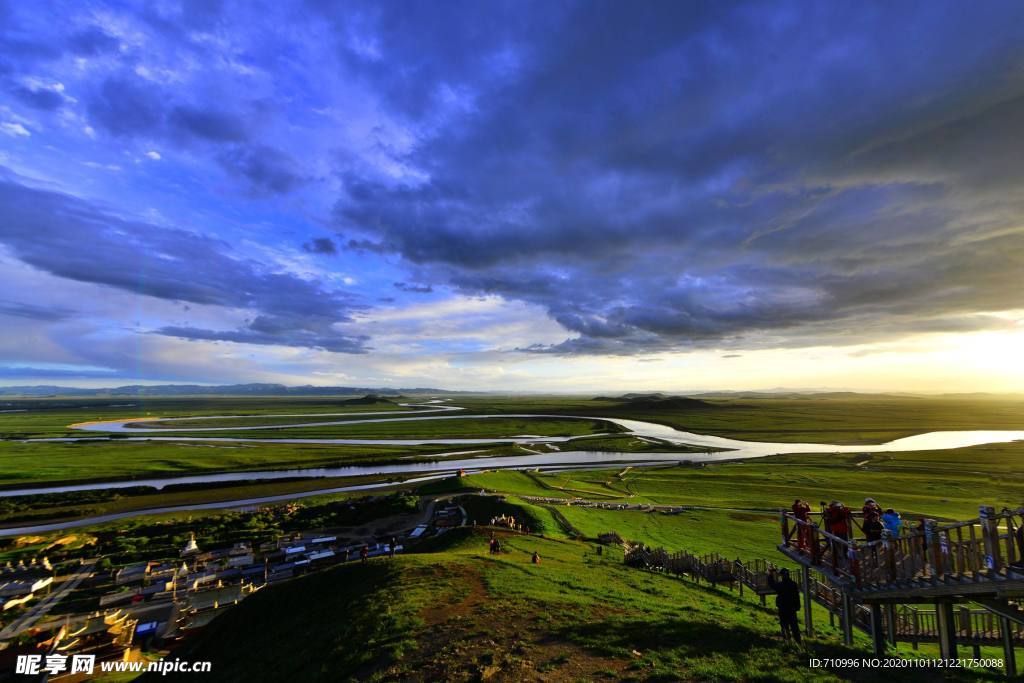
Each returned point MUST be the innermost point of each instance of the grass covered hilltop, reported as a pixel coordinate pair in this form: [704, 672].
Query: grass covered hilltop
[453, 612]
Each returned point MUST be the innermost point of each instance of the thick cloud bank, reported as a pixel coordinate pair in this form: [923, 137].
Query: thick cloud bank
[652, 177]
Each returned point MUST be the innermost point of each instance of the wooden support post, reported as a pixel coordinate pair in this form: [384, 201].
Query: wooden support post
[917, 627]
[890, 615]
[847, 617]
[877, 630]
[1009, 656]
[965, 624]
[934, 552]
[976, 564]
[805, 581]
[890, 558]
[945, 622]
[1011, 539]
[990, 536]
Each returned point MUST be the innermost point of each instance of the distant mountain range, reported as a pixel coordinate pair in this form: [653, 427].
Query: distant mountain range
[220, 390]
[659, 399]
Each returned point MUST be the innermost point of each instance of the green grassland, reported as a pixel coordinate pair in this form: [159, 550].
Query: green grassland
[826, 419]
[743, 535]
[23, 464]
[457, 613]
[944, 484]
[455, 428]
[259, 420]
[846, 419]
[40, 509]
[50, 417]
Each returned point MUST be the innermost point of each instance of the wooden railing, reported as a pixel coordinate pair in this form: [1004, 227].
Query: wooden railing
[974, 550]
[972, 625]
[712, 567]
[977, 626]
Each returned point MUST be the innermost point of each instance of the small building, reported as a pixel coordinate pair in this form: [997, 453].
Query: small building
[191, 548]
[21, 580]
[197, 609]
[322, 540]
[107, 635]
[133, 573]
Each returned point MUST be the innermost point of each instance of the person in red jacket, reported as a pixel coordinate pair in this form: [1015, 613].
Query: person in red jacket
[802, 511]
[837, 518]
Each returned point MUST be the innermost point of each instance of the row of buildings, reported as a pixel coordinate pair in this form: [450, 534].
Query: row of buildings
[159, 602]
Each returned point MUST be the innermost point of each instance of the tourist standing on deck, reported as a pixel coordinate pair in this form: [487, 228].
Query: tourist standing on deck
[872, 528]
[802, 511]
[837, 523]
[893, 522]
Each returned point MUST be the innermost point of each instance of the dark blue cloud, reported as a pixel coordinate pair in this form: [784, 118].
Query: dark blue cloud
[50, 231]
[655, 177]
[92, 41]
[321, 245]
[127, 106]
[32, 372]
[414, 288]
[33, 311]
[207, 123]
[263, 169]
[38, 98]
[681, 175]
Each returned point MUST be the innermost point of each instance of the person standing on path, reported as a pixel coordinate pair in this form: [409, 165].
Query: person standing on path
[787, 602]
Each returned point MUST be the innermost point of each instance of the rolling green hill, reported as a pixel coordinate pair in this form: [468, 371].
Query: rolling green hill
[457, 613]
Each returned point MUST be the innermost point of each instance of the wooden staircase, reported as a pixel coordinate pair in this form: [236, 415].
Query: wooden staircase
[977, 561]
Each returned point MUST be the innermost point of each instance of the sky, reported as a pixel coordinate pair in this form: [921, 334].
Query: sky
[549, 196]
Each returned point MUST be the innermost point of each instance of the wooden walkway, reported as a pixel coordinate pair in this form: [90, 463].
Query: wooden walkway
[912, 624]
[979, 558]
[972, 573]
[978, 561]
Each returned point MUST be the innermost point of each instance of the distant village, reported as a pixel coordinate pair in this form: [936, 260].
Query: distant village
[155, 604]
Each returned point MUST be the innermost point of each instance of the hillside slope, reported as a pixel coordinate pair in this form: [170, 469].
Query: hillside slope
[459, 614]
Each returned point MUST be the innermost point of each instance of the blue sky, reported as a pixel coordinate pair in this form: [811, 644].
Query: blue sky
[551, 195]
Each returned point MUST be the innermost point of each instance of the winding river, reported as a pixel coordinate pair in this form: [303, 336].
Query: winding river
[719, 448]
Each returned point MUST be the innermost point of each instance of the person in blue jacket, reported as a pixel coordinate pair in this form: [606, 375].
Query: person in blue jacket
[892, 521]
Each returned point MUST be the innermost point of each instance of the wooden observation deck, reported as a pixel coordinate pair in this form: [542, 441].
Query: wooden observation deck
[977, 561]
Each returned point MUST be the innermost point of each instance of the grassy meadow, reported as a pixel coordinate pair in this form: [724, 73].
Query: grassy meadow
[451, 611]
[50, 417]
[945, 484]
[828, 418]
[458, 613]
[453, 428]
